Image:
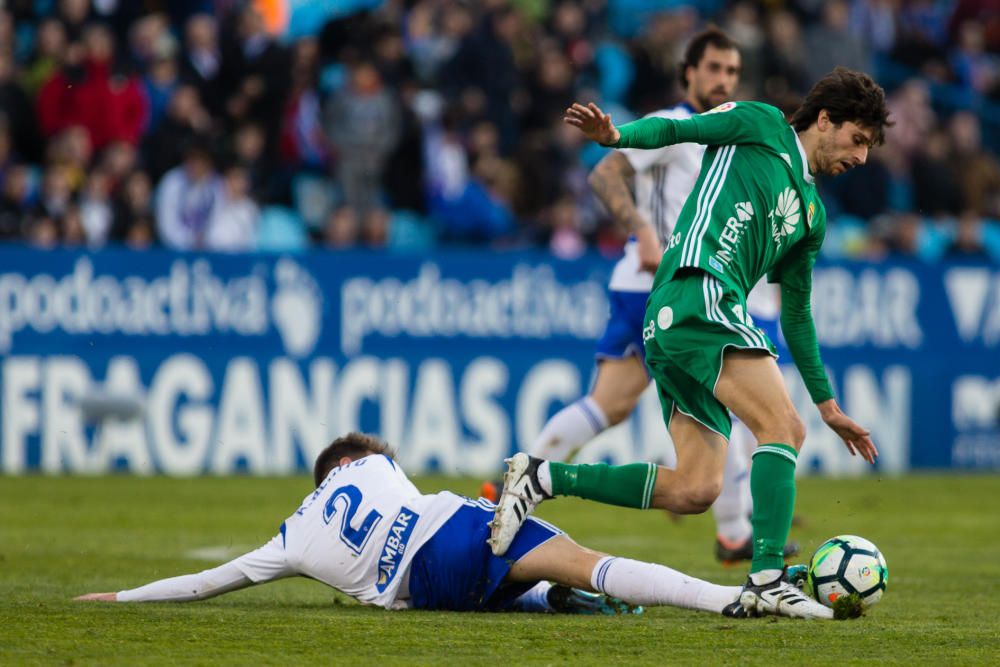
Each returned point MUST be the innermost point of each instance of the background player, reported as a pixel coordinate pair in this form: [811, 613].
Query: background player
[368, 532]
[663, 179]
[754, 212]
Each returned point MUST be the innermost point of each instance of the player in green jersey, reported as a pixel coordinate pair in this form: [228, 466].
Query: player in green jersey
[754, 212]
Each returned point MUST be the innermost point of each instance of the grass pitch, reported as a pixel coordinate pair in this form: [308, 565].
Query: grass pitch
[61, 537]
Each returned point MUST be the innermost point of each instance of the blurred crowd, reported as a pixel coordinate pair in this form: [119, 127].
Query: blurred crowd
[232, 125]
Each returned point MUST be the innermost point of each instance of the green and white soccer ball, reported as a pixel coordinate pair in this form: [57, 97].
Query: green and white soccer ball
[848, 564]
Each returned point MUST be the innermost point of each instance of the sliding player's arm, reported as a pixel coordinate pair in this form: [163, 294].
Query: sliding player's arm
[730, 123]
[185, 588]
[795, 274]
[264, 564]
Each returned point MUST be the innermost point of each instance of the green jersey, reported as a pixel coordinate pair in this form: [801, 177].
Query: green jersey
[754, 212]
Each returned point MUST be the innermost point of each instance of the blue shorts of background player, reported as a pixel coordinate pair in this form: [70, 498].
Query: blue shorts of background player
[623, 333]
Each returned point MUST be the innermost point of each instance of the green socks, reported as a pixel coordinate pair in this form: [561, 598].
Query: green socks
[772, 485]
[628, 485]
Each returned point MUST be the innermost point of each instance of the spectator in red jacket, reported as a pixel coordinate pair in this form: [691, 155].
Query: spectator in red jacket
[91, 92]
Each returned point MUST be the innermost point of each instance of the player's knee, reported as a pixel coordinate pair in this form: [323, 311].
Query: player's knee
[796, 431]
[697, 498]
[619, 410]
[787, 430]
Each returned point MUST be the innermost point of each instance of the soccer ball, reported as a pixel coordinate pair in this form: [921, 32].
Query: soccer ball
[848, 564]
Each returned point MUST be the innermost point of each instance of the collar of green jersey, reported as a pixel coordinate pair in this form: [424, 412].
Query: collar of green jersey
[805, 161]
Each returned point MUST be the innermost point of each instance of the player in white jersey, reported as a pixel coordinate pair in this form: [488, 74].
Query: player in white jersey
[367, 531]
[663, 179]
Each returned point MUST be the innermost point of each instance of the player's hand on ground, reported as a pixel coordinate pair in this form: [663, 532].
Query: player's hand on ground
[857, 438]
[98, 597]
[649, 248]
[593, 122]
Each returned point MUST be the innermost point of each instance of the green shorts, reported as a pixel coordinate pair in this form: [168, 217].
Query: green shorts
[690, 321]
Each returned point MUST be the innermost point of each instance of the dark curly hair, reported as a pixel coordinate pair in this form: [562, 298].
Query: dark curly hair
[355, 445]
[847, 96]
[710, 36]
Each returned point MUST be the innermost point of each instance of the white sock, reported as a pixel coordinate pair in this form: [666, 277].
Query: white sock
[544, 476]
[536, 599]
[649, 584]
[746, 445]
[733, 506]
[569, 430]
[764, 576]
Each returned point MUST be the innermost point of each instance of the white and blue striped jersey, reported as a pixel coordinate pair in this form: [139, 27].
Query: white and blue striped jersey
[664, 178]
[357, 532]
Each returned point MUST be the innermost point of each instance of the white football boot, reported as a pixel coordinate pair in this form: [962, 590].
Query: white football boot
[521, 495]
[781, 598]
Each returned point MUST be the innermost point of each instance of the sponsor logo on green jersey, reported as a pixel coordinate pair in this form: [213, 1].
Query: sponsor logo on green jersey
[731, 236]
[785, 215]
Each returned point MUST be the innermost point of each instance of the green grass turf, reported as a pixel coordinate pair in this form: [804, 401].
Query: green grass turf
[61, 537]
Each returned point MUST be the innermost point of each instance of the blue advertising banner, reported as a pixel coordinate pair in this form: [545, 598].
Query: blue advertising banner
[184, 364]
[914, 350]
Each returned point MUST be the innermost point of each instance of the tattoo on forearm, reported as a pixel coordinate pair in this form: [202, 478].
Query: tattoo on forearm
[609, 182]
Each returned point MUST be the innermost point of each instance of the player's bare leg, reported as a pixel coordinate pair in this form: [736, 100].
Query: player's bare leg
[560, 560]
[752, 387]
[618, 386]
[689, 489]
[731, 510]
[617, 390]
[694, 485]
[564, 561]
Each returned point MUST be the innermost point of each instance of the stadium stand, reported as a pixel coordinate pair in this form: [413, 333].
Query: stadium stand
[225, 125]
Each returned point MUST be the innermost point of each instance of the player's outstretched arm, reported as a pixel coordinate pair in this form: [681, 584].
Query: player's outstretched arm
[730, 123]
[185, 588]
[800, 335]
[593, 122]
[256, 567]
[857, 439]
[98, 597]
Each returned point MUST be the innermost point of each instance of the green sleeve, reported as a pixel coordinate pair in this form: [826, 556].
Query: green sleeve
[730, 123]
[795, 274]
